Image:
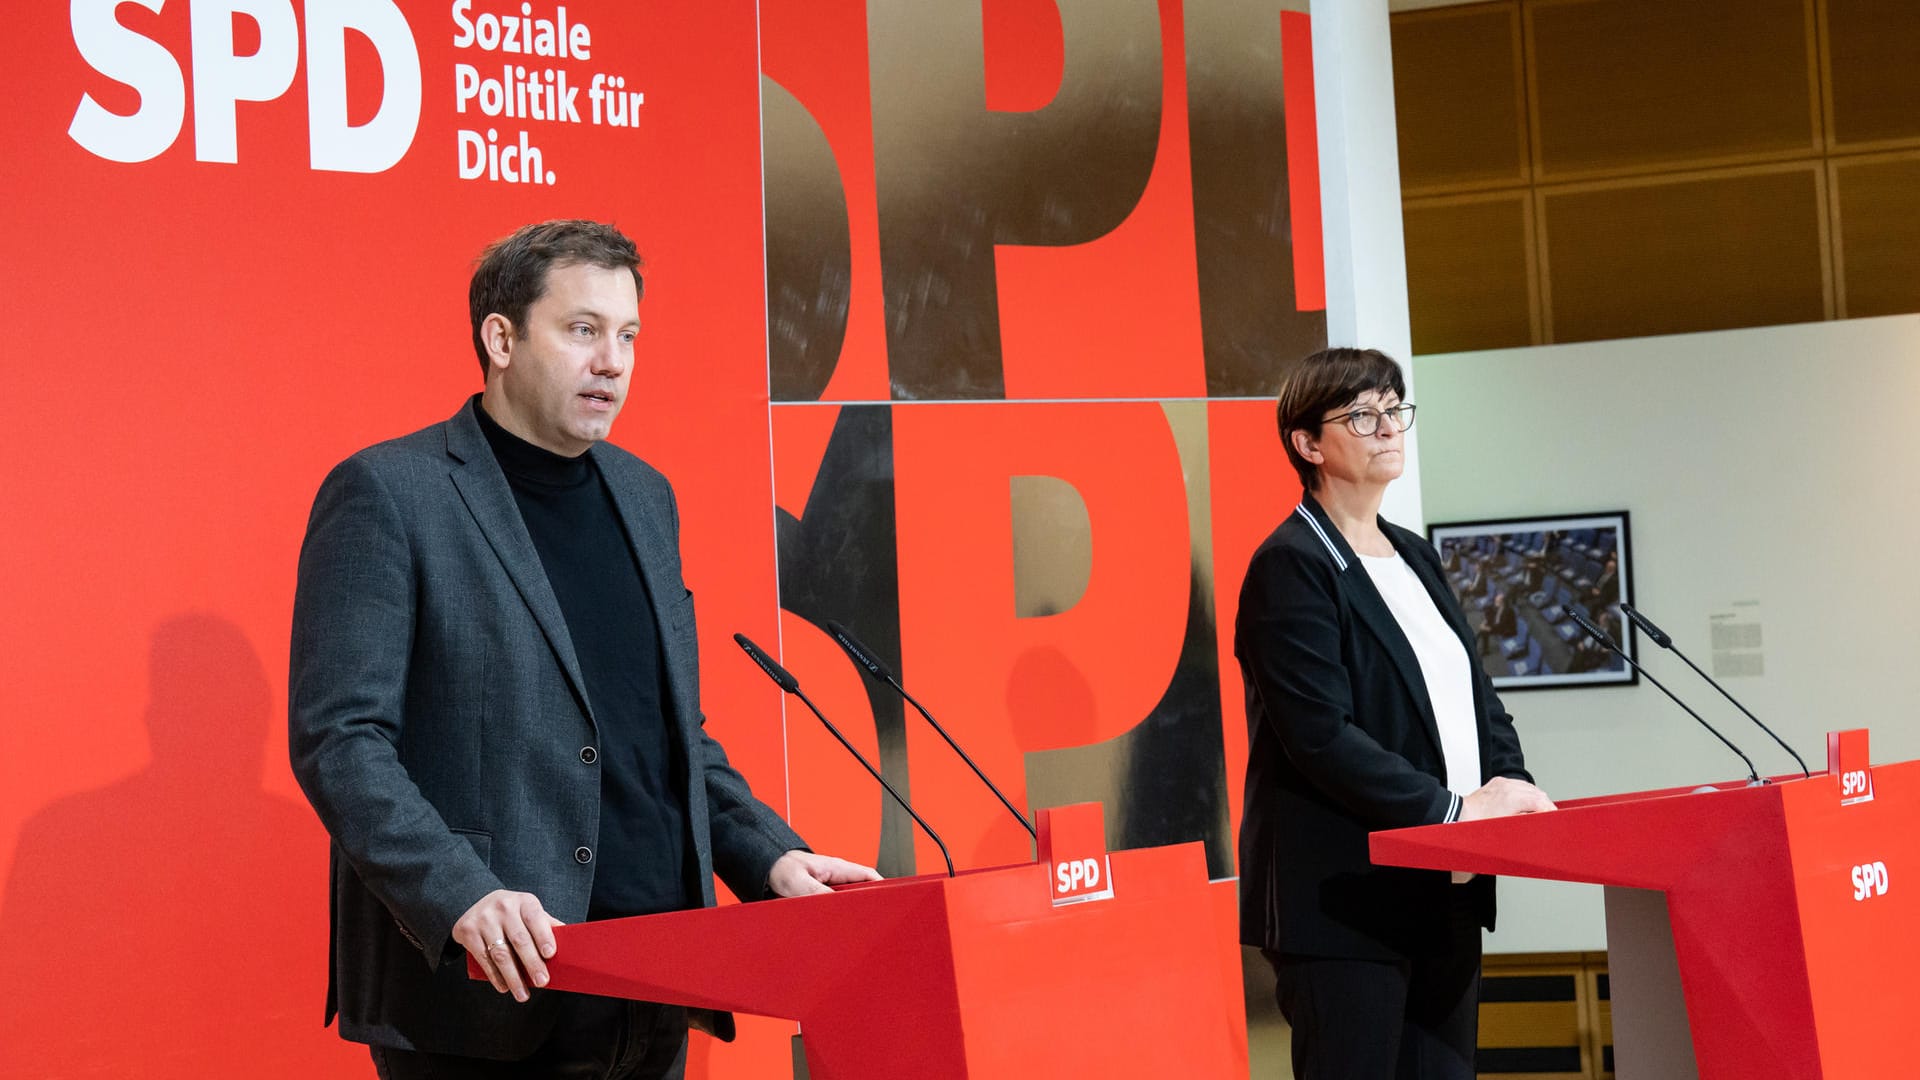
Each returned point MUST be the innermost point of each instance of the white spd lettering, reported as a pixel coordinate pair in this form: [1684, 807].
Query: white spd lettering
[1075, 875]
[222, 79]
[1869, 880]
[523, 33]
[1853, 783]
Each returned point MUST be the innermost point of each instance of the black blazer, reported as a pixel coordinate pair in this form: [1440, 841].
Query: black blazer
[1342, 741]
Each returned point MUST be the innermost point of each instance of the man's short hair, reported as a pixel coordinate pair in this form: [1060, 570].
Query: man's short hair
[1328, 380]
[511, 274]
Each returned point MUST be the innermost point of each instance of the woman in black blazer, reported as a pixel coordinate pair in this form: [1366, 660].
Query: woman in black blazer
[1366, 709]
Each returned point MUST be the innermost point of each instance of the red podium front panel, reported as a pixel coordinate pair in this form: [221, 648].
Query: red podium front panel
[979, 975]
[1796, 940]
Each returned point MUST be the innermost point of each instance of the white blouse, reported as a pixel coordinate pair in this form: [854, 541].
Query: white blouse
[1444, 664]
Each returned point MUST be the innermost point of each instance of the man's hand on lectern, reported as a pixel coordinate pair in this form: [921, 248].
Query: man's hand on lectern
[802, 873]
[511, 936]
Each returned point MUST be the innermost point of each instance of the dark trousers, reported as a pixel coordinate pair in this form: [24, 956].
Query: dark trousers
[1416, 1018]
[595, 1038]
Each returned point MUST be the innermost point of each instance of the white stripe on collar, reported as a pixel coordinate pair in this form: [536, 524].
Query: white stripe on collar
[1339, 560]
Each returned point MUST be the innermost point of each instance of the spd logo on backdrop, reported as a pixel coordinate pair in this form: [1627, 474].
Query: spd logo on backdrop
[221, 80]
[530, 82]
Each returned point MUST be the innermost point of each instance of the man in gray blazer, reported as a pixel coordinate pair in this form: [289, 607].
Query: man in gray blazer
[494, 700]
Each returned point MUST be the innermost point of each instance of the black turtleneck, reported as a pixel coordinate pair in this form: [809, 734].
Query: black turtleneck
[640, 863]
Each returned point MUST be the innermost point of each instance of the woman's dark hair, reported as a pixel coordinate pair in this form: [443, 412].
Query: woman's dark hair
[1328, 380]
[512, 273]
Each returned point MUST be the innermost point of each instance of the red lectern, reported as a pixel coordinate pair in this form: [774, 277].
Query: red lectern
[1082, 963]
[1795, 937]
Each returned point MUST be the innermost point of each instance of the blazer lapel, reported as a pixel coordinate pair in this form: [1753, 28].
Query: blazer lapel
[652, 544]
[1374, 614]
[483, 487]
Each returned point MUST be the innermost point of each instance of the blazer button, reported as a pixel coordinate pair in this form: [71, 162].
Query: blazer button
[589, 755]
[583, 855]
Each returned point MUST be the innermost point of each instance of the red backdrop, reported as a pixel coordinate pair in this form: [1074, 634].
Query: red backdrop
[1023, 238]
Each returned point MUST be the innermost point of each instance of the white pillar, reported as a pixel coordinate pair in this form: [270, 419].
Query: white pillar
[1366, 254]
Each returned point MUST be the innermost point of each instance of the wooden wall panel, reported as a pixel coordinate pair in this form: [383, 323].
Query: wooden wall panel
[1873, 50]
[1625, 85]
[1459, 92]
[1877, 206]
[1469, 272]
[1534, 1017]
[1678, 254]
[1599, 1016]
[1689, 165]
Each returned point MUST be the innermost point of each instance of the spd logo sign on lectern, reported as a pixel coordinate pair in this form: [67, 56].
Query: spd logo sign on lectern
[1073, 845]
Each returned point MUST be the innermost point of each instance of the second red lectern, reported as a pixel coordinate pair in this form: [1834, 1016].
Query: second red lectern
[1079, 964]
[1752, 931]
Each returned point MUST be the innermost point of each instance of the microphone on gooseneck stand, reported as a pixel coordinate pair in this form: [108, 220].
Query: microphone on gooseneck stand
[865, 658]
[1662, 639]
[1599, 635]
[785, 681]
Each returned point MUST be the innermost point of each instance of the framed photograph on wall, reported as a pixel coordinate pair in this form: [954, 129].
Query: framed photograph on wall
[1519, 580]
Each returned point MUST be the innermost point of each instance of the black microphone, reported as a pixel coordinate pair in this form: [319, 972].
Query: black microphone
[785, 680]
[781, 676]
[1662, 639]
[866, 659]
[1600, 636]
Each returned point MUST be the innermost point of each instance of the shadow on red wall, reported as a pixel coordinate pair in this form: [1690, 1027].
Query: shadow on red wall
[167, 925]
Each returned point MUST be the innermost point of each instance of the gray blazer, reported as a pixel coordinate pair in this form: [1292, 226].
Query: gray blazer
[437, 720]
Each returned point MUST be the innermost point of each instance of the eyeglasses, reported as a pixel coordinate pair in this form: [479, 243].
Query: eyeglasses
[1364, 421]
